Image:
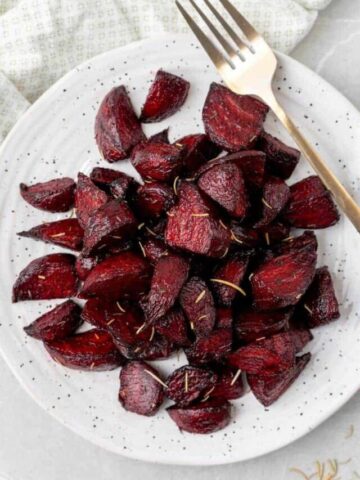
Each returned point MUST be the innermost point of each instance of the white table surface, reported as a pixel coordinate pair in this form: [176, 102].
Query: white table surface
[33, 446]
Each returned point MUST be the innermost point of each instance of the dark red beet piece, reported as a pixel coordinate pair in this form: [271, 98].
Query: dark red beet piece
[121, 188]
[158, 161]
[193, 226]
[167, 94]
[127, 328]
[117, 129]
[88, 198]
[84, 265]
[232, 121]
[211, 348]
[319, 302]
[126, 275]
[153, 199]
[251, 325]
[93, 350]
[95, 310]
[310, 205]
[170, 274]
[53, 196]
[244, 237]
[104, 178]
[60, 322]
[224, 318]
[154, 249]
[274, 232]
[205, 417]
[251, 163]
[173, 327]
[281, 281]
[187, 384]
[111, 224]
[156, 349]
[267, 389]
[66, 233]
[225, 185]
[198, 305]
[231, 270]
[275, 197]
[281, 159]
[306, 241]
[141, 388]
[199, 149]
[46, 278]
[160, 137]
[229, 385]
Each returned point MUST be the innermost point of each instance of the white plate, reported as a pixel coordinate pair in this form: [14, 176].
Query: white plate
[55, 138]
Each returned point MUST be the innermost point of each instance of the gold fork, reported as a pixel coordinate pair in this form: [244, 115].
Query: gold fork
[247, 67]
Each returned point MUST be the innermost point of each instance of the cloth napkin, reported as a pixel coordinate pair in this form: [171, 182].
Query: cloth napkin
[40, 40]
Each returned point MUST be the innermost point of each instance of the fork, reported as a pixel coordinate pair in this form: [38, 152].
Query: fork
[247, 65]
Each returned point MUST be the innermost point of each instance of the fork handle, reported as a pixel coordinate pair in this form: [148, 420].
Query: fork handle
[344, 200]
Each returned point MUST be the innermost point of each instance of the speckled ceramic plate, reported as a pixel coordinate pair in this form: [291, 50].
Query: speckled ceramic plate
[55, 138]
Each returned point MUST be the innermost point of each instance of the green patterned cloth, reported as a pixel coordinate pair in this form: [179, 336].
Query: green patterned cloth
[40, 40]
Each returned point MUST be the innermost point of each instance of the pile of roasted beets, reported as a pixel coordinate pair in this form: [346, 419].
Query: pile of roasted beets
[198, 257]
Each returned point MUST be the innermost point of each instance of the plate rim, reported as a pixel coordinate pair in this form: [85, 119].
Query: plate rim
[85, 434]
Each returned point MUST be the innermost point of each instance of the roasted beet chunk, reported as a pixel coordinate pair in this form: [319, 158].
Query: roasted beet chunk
[141, 388]
[211, 348]
[153, 199]
[267, 389]
[193, 225]
[60, 322]
[154, 249]
[158, 161]
[117, 129]
[53, 196]
[225, 185]
[161, 137]
[275, 196]
[48, 277]
[127, 327]
[187, 384]
[170, 274]
[251, 325]
[124, 275]
[173, 326]
[199, 149]
[105, 178]
[310, 205]
[271, 355]
[88, 199]
[229, 385]
[66, 233]
[281, 159]
[111, 224]
[281, 281]
[228, 277]
[198, 304]
[306, 241]
[232, 121]
[319, 302]
[167, 94]
[205, 417]
[93, 350]
[94, 312]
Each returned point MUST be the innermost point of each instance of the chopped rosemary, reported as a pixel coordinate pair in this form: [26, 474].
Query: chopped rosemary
[235, 238]
[236, 376]
[200, 296]
[111, 321]
[267, 238]
[266, 203]
[307, 308]
[223, 224]
[155, 377]
[142, 249]
[150, 231]
[152, 334]
[141, 225]
[176, 179]
[140, 329]
[225, 253]
[199, 214]
[41, 277]
[229, 284]
[186, 382]
[120, 307]
[58, 235]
